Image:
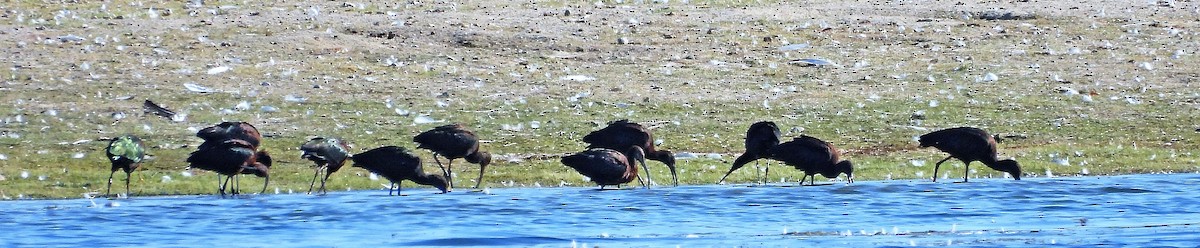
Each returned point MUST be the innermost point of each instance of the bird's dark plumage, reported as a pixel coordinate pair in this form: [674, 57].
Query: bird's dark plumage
[454, 141]
[397, 164]
[125, 153]
[760, 138]
[231, 130]
[327, 154]
[813, 156]
[607, 166]
[621, 134]
[969, 144]
[230, 149]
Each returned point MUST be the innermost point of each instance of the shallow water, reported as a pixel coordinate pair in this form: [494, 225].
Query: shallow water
[1136, 210]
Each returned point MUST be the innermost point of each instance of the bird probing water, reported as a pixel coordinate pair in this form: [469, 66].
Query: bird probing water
[454, 141]
[969, 144]
[607, 166]
[621, 134]
[397, 164]
[125, 153]
[328, 154]
[806, 153]
[760, 137]
[230, 149]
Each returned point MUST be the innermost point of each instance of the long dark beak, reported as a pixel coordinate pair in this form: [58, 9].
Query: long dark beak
[265, 182]
[674, 176]
[640, 156]
[727, 175]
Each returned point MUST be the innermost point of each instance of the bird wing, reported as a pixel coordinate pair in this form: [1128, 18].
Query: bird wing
[761, 136]
[392, 162]
[448, 138]
[963, 142]
[325, 150]
[804, 153]
[128, 147]
[620, 135]
[603, 166]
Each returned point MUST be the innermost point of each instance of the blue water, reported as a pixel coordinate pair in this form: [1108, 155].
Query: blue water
[1136, 210]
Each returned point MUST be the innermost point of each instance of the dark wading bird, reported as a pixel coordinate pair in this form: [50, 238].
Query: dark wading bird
[607, 166]
[813, 156]
[454, 141]
[397, 164]
[760, 137]
[969, 144]
[328, 154]
[620, 135]
[230, 149]
[125, 153]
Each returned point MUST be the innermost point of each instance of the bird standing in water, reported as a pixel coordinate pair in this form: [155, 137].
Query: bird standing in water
[230, 149]
[620, 135]
[607, 166]
[397, 164]
[328, 154]
[760, 138]
[125, 153]
[454, 141]
[969, 144]
[813, 156]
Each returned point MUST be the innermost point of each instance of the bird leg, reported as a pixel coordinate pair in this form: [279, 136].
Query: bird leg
[109, 191]
[323, 190]
[937, 166]
[391, 187]
[128, 174]
[439, 163]
[314, 180]
[450, 171]
[223, 185]
[966, 170]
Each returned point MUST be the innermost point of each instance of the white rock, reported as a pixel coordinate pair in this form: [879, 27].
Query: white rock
[217, 70]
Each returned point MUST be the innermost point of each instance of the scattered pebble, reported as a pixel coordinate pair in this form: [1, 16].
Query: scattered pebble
[218, 70]
[198, 88]
[815, 62]
[578, 78]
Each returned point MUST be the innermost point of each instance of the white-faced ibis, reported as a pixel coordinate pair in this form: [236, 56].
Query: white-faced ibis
[328, 154]
[969, 144]
[231, 158]
[607, 166]
[760, 137]
[397, 164]
[231, 148]
[813, 156]
[454, 141]
[620, 135]
[125, 153]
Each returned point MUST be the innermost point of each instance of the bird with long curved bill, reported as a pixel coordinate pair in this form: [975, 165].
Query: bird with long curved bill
[760, 138]
[813, 156]
[607, 166]
[328, 155]
[454, 141]
[969, 144]
[397, 164]
[231, 149]
[621, 134]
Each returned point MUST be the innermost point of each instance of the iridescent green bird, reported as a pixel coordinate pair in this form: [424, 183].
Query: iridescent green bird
[329, 154]
[125, 153]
